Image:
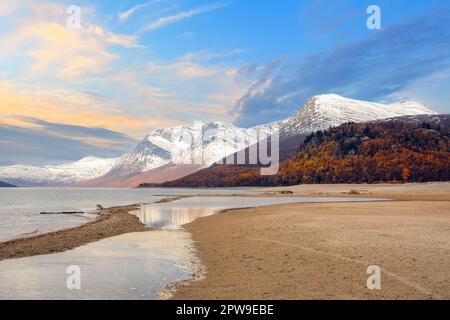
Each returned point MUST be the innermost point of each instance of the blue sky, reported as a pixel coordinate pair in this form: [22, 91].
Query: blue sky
[137, 65]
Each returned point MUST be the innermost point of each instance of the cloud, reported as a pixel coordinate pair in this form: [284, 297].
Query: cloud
[112, 38]
[7, 7]
[201, 64]
[373, 69]
[204, 85]
[123, 16]
[66, 106]
[208, 56]
[186, 69]
[161, 22]
[39, 33]
[74, 53]
[44, 142]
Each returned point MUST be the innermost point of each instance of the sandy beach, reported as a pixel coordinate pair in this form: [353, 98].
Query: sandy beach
[322, 251]
[437, 191]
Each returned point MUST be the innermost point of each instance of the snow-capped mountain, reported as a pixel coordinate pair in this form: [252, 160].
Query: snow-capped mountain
[216, 140]
[146, 156]
[331, 110]
[175, 152]
[201, 144]
[84, 169]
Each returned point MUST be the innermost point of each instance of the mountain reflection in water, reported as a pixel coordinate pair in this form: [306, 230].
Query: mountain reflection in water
[173, 215]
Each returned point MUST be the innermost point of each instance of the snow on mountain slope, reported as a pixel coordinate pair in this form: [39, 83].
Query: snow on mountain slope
[214, 141]
[145, 157]
[330, 110]
[200, 144]
[84, 169]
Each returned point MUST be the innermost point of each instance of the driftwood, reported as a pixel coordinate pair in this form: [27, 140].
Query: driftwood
[30, 233]
[64, 212]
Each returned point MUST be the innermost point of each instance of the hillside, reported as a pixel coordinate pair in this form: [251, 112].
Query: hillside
[410, 149]
[6, 185]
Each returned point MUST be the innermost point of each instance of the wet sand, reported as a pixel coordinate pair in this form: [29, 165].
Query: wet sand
[323, 250]
[112, 222]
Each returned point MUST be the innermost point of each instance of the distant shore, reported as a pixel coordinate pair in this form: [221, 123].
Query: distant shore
[323, 250]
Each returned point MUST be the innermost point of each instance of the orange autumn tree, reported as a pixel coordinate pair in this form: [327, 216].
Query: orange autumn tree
[406, 173]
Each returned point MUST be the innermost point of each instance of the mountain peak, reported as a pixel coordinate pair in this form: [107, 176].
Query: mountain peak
[330, 110]
[335, 100]
[329, 96]
[88, 159]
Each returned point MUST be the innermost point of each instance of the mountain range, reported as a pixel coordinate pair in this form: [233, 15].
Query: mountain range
[401, 149]
[56, 175]
[166, 154]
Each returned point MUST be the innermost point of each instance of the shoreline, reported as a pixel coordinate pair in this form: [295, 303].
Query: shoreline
[112, 222]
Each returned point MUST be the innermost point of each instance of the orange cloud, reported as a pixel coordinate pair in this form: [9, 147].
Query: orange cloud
[68, 53]
[75, 108]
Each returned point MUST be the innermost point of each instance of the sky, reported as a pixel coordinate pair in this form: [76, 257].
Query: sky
[70, 90]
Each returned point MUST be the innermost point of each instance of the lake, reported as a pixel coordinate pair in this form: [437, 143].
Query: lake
[20, 207]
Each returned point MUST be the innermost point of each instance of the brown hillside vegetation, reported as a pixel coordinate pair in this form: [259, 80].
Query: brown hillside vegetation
[369, 153]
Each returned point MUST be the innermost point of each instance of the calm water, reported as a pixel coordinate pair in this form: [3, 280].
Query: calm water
[135, 266]
[173, 215]
[20, 207]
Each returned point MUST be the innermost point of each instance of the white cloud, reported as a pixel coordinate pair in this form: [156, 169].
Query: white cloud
[114, 39]
[161, 22]
[69, 53]
[202, 89]
[123, 16]
[186, 69]
[38, 31]
[208, 56]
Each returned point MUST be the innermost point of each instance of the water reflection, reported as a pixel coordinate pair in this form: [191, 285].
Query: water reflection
[172, 216]
[133, 266]
[20, 207]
